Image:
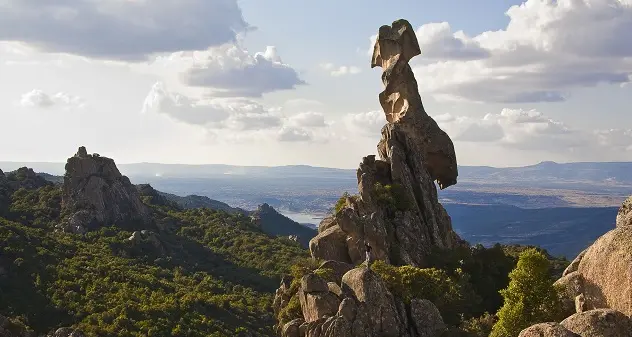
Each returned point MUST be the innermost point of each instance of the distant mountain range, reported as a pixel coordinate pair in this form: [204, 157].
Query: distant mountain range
[592, 172]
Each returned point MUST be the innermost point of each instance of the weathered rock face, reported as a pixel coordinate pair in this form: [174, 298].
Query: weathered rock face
[397, 212]
[624, 217]
[597, 284]
[599, 323]
[550, 329]
[363, 306]
[606, 270]
[95, 193]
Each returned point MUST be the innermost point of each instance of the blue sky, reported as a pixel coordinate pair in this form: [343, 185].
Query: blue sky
[512, 82]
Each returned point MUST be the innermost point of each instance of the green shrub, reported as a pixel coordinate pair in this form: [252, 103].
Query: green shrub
[479, 326]
[452, 295]
[530, 297]
[394, 197]
[340, 204]
[291, 311]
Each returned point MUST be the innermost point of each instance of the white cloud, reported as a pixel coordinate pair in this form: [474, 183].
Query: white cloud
[294, 134]
[531, 130]
[121, 30]
[228, 70]
[365, 124]
[308, 119]
[548, 48]
[238, 120]
[232, 114]
[336, 71]
[39, 99]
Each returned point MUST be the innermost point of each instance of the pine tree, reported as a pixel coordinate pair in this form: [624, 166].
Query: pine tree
[530, 297]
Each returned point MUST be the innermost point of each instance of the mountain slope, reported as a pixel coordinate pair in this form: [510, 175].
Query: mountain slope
[202, 273]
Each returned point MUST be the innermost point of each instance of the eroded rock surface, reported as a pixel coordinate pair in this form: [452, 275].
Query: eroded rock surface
[397, 211]
[95, 193]
[550, 329]
[599, 323]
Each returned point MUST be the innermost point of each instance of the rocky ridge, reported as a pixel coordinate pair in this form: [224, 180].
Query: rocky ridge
[597, 286]
[96, 194]
[397, 212]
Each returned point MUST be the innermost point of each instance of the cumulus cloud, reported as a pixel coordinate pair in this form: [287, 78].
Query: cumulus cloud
[547, 48]
[232, 114]
[366, 124]
[121, 30]
[239, 120]
[308, 119]
[531, 130]
[39, 99]
[336, 71]
[514, 130]
[294, 134]
[229, 71]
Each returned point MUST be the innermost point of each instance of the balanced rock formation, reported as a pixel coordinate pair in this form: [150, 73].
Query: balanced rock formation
[96, 194]
[397, 211]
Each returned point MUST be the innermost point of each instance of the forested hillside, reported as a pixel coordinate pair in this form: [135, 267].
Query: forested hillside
[202, 273]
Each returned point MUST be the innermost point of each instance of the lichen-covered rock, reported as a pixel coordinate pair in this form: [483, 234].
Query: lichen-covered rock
[398, 212]
[572, 285]
[338, 268]
[316, 299]
[624, 216]
[574, 265]
[93, 185]
[550, 329]
[599, 323]
[291, 328]
[426, 318]
[606, 273]
[326, 223]
[330, 244]
[377, 301]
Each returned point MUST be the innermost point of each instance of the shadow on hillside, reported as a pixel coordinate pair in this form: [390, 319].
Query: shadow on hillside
[192, 256]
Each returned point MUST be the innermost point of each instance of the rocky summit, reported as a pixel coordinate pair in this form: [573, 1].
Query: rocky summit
[396, 212]
[96, 194]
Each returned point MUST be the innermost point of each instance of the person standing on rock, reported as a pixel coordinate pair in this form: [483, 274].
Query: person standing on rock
[369, 258]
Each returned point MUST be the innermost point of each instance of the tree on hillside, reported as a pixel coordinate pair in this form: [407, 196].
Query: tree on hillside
[530, 297]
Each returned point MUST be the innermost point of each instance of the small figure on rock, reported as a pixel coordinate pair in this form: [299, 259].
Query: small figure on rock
[369, 257]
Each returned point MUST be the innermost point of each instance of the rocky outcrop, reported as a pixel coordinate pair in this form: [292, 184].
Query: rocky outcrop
[599, 323]
[362, 306]
[140, 237]
[593, 323]
[95, 194]
[25, 177]
[397, 211]
[624, 216]
[550, 329]
[596, 285]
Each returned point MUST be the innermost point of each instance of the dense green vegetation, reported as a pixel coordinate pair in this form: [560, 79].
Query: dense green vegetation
[530, 297]
[211, 273]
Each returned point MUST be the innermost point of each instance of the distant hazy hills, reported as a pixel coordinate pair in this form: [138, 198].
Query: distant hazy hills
[594, 172]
